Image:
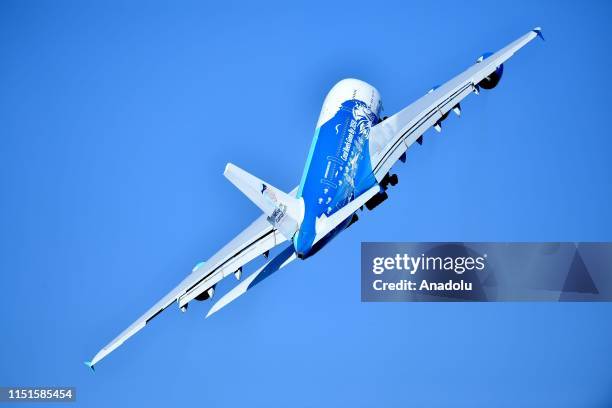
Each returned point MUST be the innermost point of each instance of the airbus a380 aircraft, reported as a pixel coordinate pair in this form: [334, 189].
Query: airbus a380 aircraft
[348, 166]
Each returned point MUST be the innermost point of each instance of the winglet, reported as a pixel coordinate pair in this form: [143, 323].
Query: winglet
[90, 365]
[538, 31]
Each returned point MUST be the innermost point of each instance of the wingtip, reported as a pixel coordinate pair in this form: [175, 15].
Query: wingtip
[538, 31]
[90, 365]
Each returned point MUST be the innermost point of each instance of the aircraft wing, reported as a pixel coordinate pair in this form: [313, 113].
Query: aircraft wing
[390, 138]
[255, 240]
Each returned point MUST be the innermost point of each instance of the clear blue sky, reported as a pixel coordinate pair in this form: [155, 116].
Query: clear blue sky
[116, 121]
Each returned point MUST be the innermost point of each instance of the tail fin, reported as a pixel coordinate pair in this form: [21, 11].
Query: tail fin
[284, 211]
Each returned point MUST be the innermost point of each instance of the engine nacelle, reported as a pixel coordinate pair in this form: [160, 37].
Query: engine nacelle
[492, 80]
[207, 294]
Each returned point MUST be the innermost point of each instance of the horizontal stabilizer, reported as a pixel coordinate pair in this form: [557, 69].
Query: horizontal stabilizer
[284, 211]
[273, 265]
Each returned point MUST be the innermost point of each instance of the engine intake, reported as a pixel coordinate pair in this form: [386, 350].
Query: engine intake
[207, 294]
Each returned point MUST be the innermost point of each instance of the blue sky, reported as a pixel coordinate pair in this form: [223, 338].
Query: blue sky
[116, 121]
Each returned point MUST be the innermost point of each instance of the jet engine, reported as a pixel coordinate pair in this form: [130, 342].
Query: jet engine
[207, 294]
[493, 79]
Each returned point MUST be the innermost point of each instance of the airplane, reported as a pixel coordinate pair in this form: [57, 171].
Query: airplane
[348, 167]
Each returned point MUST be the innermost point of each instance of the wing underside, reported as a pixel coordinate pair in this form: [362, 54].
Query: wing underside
[390, 139]
[257, 239]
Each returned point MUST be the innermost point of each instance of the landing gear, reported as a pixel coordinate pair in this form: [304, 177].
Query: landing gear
[389, 179]
[376, 200]
[393, 180]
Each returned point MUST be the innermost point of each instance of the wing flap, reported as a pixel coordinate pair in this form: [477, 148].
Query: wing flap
[137, 325]
[231, 265]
